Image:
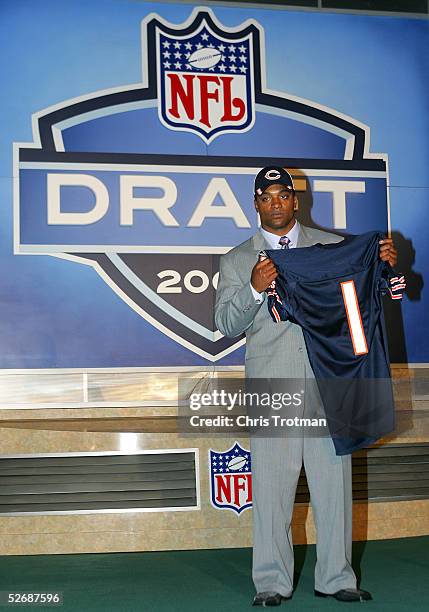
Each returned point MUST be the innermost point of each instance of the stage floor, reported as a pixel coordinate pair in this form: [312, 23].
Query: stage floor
[395, 571]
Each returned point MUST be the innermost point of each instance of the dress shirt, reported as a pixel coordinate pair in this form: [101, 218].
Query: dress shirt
[273, 241]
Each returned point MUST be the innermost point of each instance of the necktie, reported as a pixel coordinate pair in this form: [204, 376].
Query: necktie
[275, 305]
[284, 242]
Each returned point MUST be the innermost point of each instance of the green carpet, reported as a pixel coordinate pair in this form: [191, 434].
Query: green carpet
[395, 571]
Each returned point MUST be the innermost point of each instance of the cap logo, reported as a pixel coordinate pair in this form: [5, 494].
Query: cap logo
[272, 175]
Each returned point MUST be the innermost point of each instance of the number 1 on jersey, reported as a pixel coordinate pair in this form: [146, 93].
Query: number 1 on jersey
[354, 318]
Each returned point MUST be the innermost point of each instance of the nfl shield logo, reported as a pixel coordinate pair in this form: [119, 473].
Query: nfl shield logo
[205, 78]
[231, 479]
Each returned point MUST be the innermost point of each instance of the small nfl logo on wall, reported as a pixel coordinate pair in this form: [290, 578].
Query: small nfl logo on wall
[231, 479]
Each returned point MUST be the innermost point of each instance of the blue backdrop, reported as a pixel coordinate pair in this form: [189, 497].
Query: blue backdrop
[58, 313]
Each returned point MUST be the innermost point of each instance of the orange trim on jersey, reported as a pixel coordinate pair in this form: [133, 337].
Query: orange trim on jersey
[276, 314]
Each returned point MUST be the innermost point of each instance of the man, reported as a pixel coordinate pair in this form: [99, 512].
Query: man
[277, 350]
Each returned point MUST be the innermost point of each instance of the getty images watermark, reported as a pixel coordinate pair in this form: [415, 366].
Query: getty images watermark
[229, 401]
[264, 407]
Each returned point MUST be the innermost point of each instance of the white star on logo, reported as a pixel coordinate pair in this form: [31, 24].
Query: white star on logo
[242, 48]
[243, 59]
[177, 55]
[231, 48]
[233, 68]
[188, 46]
[222, 68]
[177, 45]
[204, 36]
[232, 58]
[199, 46]
[221, 48]
[166, 54]
[177, 65]
[166, 44]
[243, 69]
[167, 65]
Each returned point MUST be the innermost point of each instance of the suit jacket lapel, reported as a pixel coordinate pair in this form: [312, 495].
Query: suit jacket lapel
[304, 238]
[259, 242]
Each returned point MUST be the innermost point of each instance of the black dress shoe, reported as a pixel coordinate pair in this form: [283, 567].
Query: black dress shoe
[268, 598]
[347, 595]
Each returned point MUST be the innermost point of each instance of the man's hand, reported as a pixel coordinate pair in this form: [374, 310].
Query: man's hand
[388, 252]
[263, 274]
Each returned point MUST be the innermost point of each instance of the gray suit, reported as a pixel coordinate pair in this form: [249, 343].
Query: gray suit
[277, 350]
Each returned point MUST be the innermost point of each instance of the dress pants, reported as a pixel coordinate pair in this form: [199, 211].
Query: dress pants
[276, 465]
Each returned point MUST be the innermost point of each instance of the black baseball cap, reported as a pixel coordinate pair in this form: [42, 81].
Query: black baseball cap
[272, 175]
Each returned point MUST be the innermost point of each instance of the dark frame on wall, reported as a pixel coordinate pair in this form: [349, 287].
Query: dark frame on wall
[418, 8]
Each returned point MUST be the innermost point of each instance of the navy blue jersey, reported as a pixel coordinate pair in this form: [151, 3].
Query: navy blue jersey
[334, 292]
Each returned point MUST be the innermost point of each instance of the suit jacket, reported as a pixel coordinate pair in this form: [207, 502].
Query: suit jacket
[275, 350]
